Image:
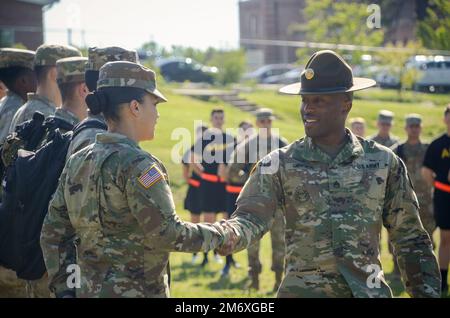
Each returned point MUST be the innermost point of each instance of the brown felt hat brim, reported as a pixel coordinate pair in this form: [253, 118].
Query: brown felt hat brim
[359, 83]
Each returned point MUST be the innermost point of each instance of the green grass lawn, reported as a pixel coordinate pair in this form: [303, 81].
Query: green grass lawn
[191, 281]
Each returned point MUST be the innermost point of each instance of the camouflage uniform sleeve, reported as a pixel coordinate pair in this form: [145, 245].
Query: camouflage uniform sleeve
[152, 205]
[256, 205]
[58, 242]
[412, 245]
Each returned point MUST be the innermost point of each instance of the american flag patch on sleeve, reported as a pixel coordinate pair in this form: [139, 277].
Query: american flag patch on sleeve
[150, 176]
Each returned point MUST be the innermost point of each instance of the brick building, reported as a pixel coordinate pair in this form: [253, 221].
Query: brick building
[21, 21]
[271, 20]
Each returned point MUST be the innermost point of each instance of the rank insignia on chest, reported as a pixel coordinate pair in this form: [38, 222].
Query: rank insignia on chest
[150, 176]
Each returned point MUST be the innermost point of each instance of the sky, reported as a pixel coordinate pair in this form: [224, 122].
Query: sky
[130, 23]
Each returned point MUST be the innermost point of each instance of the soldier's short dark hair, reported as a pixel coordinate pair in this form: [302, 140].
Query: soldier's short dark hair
[447, 110]
[349, 96]
[217, 110]
[68, 90]
[9, 75]
[41, 72]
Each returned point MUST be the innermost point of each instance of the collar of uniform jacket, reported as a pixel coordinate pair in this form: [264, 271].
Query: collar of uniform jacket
[11, 94]
[310, 152]
[45, 100]
[114, 138]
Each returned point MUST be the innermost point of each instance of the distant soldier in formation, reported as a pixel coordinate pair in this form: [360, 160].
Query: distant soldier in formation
[246, 155]
[384, 124]
[192, 201]
[358, 126]
[16, 72]
[71, 84]
[47, 97]
[209, 153]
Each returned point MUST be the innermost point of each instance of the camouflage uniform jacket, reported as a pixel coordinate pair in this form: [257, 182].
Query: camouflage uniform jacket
[389, 142]
[334, 211]
[8, 107]
[35, 103]
[125, 226]
[85, 137]
[66, 115]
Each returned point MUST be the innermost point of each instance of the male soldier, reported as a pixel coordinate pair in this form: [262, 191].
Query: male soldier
[358, 126]
[47, 96]
[209, 152]
[384, 124]
[97, 57]
[16, 72]
[243, 159]
[335, 190]
[436, 171]
[71, 84]
[412, 152]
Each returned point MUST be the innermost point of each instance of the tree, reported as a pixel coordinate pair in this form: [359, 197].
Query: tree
[434, 30]
[396, 63]
[337, 23]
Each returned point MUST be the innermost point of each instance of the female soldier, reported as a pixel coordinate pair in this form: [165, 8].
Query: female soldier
[115, 198]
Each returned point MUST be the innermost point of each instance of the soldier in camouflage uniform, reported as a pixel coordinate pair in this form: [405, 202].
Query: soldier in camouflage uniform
[47, 96]
[246, 155]
[336, 190]
[70, 78]
[412, 152]
[384, 123]
[97, 57]
[116, 199]
[16, 71]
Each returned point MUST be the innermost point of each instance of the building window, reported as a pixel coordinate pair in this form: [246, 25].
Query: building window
[253, 25]
[6, 37]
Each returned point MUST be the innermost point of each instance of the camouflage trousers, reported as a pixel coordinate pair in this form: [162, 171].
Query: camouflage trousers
[277, 237]
[38, 288]
[10, 285]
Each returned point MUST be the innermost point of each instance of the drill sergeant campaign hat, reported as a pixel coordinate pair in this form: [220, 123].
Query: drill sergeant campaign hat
[10, 57]
[327, 73]
[70, 69]
[128, 74]
[48, 54]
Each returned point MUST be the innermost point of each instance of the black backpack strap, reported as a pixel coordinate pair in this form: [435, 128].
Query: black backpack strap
[52, 123]
[87, 124]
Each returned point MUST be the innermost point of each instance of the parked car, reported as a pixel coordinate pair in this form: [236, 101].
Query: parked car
[266, 71]
[434, 75]
[290, 77]
[186, 69]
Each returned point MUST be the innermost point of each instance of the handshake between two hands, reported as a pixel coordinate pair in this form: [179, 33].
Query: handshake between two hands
[231, 239]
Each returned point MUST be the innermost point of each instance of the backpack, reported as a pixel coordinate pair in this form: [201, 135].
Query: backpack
[28, 185]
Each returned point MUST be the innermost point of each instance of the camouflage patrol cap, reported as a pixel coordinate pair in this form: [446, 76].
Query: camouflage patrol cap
[70, 69]
[413, 119]
[48, 54]
[128, 74]
[99, 56]
[356, 120]
[10, 57]
[264, 113]
[385, 116]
